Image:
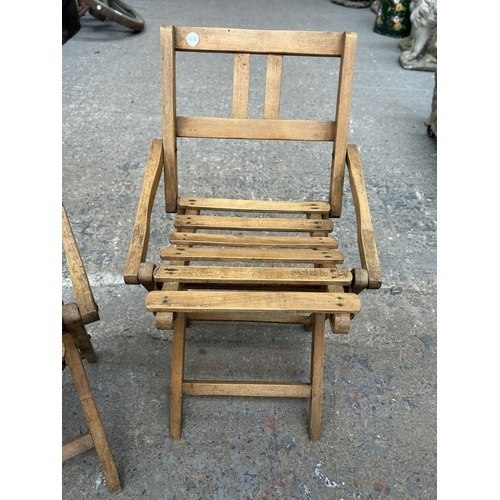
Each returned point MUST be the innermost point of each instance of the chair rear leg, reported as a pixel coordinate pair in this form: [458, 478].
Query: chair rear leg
[91, 413]
[317, 361]
[178, 348]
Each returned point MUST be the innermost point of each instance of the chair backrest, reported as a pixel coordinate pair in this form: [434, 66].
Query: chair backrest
[276, 45]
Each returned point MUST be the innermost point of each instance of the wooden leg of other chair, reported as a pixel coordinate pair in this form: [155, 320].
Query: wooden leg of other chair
[89, 407]
[317, 360]
[77, 445]
[178, 347]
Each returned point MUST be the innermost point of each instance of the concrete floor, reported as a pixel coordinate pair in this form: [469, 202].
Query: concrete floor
[379, 400]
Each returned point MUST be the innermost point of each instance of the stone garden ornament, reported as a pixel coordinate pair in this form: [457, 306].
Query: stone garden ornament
[420, 48]
[375, 5]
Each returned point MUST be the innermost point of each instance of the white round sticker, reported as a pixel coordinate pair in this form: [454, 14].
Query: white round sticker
[193, 39]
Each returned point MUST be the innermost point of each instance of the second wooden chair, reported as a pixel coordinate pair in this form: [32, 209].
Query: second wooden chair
[76, 345]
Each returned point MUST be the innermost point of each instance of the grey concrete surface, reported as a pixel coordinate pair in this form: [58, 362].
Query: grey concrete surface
[379, 411]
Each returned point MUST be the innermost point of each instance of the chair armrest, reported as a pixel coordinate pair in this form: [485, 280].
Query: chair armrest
[81, 286]
[366, 237]
[140, 235]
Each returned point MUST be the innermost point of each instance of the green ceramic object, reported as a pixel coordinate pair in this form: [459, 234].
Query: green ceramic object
[393, 18]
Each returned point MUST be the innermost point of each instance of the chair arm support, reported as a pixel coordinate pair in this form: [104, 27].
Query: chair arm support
[140, 235]
[366, 237]
[81, 286]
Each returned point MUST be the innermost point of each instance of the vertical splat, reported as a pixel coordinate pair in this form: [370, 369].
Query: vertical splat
[241, 82]
[273, 86]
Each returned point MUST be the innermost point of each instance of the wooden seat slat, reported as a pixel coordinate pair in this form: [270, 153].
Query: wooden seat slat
[265, 206]
[249, 275]
[234, 240]
[215, 301]
[274, 256]
[252, 223]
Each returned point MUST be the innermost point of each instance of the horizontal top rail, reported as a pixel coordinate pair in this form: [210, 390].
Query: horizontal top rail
[304, 43]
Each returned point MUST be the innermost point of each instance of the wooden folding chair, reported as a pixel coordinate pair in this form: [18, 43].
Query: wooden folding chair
[76, 345]
[277, 289]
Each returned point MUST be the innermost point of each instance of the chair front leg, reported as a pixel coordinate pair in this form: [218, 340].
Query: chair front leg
[178, 349]
[317, 361]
